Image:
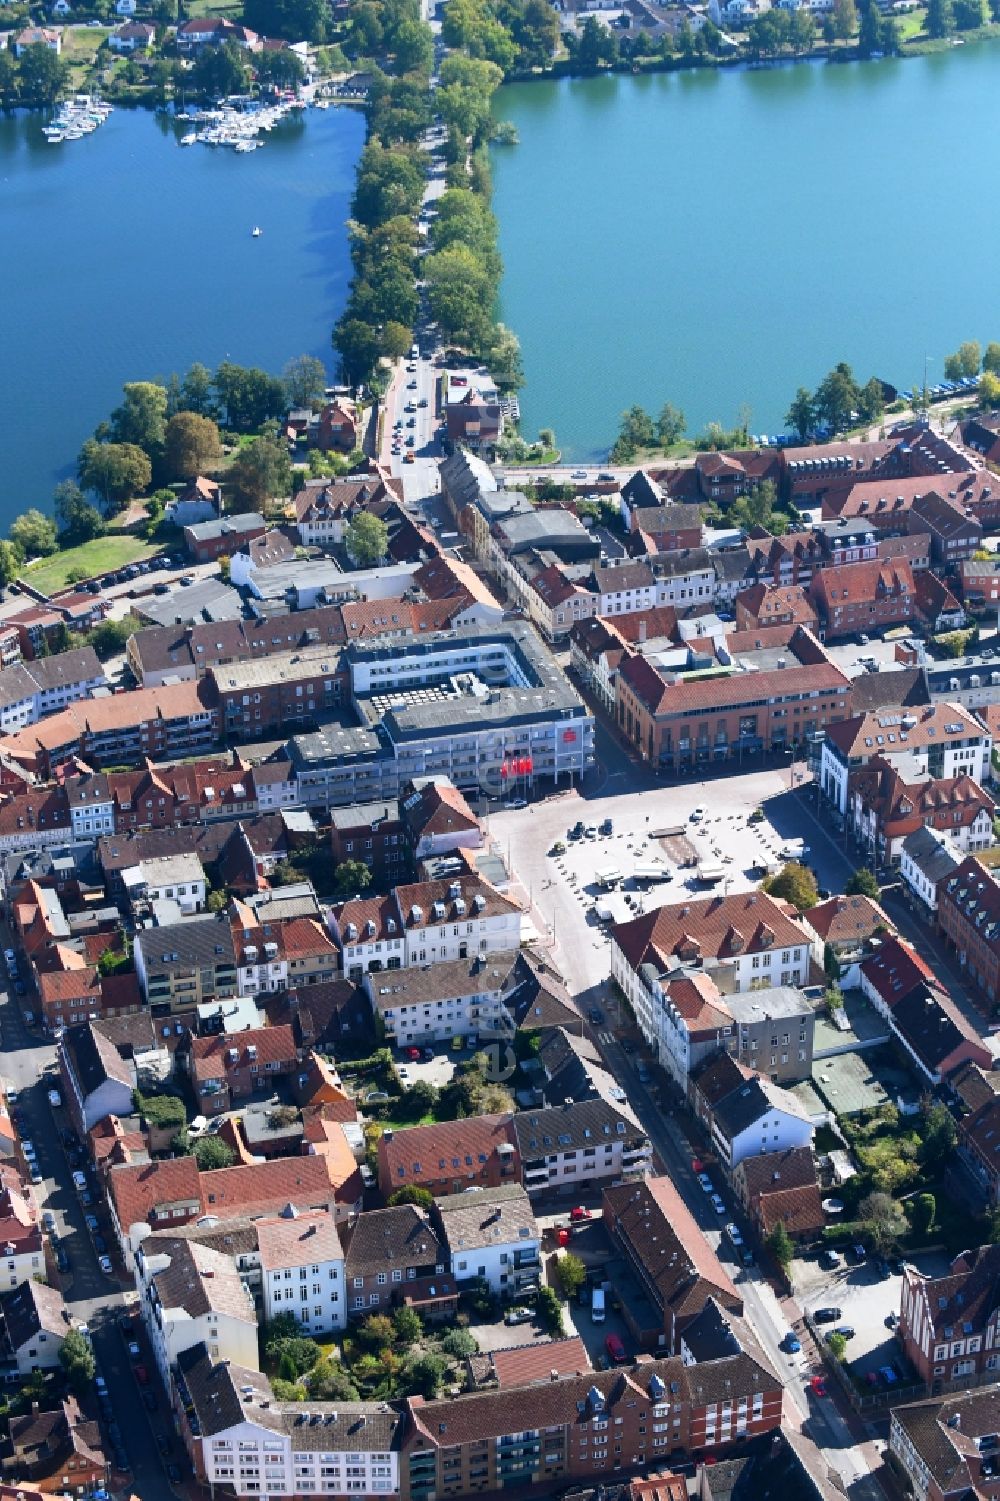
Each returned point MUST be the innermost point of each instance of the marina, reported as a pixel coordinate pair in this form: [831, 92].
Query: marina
[234, 126]
[78, 117]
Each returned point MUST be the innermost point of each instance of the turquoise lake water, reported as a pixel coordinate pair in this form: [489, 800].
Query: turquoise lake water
[714, 238]
[126, 256]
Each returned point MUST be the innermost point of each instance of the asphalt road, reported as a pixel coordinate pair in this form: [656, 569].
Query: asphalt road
[92, 1298]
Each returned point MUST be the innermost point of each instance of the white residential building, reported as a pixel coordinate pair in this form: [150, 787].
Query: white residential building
[941, 739]
[190, 1295]
[427, 922]
[577, 1146]
[927, 856]
[287, 1449]
[32, 1327]
[746, 938]
[493, 1236]
[302, 1270]
[177, 877]
[435, 1002]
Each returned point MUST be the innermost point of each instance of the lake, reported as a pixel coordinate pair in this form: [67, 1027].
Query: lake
[714, 238]
[127, 257]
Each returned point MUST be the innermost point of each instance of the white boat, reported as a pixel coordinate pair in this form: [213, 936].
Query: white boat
[190, 138]
[256, 232]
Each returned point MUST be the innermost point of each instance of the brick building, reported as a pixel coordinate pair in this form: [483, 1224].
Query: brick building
[950, 1326]
[969, 917]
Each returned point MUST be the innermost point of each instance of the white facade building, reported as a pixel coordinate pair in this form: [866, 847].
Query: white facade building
[492, 1235]
[189, 1295]
[302, 1270]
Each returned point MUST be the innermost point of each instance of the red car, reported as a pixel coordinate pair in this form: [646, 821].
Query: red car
[697, 1166]
[580, 1213]
[818, 1386]
[413, 1054]
[141, 1375]
[615, 1349]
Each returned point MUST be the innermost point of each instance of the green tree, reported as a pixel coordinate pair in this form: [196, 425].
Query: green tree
[329, 1381]
[939, 1135]
[198, 393]
[305, 381]
[871, 401]
[863, 883]
[282, 70]
[33, 534]
[357, 344]
[41, 75]
[991, 358]
[779, 1243]
[836, 1343]
[549, 1311]
[598, 46]
[882, 1218]
[801, 32]
[366, 540]
[795, 884]
[831, 964]
[250, 396]
[218, 71]
[261, 472]
[376, 1333]
[397, 339]
[989, 389]
[425, 1374]
[210, 1153]
[637, 431]
[411, 1194]
[76, 519]
[801, 414]
[924, 1210]
[845, 19]
[113, 471]
[536, 32]
[77, 1361]
[216, 901]
[111, 637]
[670, 424]
[10, 563]
[833, 999]
[871, 33]
[141, 418]
[572, 1273]
[460, 291]
[966, 361]
[837, 395]
[192, 446]
[756, 510]
[459, 1344]
[504, 358]
[351, 878]
[390, 181]
[940, 20]
[295, 20]
[407, 1326]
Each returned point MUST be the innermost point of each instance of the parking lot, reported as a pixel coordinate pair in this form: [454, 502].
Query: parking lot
[562, 889]
[865, 1299]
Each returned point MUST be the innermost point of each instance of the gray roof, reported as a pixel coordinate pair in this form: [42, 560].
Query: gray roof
[29, 1309]
[564, 1128]
[208, 599]
[465, 477]
[187, 945]
[366, 814]
[769, 1004]
[400, 1236]
[23, 680]
[756, 1097]
[497, 1216]
[550, 527]
[422, 985]
[688, 560]
[236, 527]
[931, 855]
[94, 1058]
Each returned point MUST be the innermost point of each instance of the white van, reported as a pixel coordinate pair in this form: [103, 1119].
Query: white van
[597, 1305]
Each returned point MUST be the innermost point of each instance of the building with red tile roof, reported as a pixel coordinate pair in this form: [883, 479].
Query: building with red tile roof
[867, 596]
[233, 1066]
[773, 604]
[449, 1156]
[650, 1224]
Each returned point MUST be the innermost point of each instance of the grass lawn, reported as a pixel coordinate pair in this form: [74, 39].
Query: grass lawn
[90, 558]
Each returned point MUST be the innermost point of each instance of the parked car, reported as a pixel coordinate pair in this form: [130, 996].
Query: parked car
[134, 1352]
[718, 1203]
[705, 1183]
[615, 1348]
[413, 1054]
[79, 1182]
[790, 1344]
[828, 1259]
[55, 1099]
[818, 1386]
[828, 1315]
[49, 1222]
[519, 1315]
[580, 1212]
[104, 1262]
